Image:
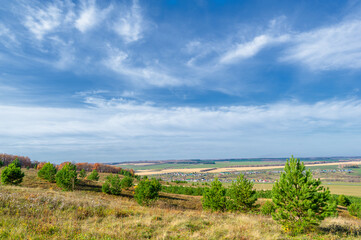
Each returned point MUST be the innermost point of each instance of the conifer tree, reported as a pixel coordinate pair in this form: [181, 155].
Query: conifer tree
[241, 194]
[94, 175]
[147, 191]
[12, 175]
[82, 173]
[214, 198]
[301, 202]
[112, 185]
[47, 172]
[127, 182]
[66, 178]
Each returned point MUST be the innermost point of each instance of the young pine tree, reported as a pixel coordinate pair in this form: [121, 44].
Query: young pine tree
[147, 191]
[66, 178]
[82, 174]
[127, 182]
[112, 185]
[214, 198]
[241, 195]
[301, 202]
[94, 175]
[47, 172]
[12, 175]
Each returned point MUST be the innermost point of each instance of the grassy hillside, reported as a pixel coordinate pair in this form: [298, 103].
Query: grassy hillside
[39, 210]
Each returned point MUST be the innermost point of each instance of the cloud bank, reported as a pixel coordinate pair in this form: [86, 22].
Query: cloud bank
[106, 123]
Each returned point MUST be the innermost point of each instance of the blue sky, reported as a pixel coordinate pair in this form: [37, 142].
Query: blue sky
[109, 81]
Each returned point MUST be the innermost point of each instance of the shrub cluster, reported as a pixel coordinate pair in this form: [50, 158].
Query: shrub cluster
[112, 185]
[343, 200]
[94, 175]
[147, 191]
[268, 208]
[239, 197]
[355, 210]
[198, 191]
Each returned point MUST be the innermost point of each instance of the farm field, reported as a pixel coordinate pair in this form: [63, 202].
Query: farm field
[335, 188]
[217, 164]
[245, 167]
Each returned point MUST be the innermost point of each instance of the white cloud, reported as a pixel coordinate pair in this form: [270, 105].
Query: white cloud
[107, 123]
[129, 26]
[119, 62]
[7, 37]
[90, 16]
[328, 48]
[41, 21]
[250, 49]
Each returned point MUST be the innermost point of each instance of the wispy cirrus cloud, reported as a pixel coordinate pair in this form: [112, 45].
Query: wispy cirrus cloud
[329, 48]
[130, 24]
[119, 62]
[249, 49]
[43, 19]
[90, 16]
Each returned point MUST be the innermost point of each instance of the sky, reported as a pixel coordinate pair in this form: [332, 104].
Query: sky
[113, 81]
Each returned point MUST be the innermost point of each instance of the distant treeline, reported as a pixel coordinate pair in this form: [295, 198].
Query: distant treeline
[6, 159]
[25, 162]
[198, 191]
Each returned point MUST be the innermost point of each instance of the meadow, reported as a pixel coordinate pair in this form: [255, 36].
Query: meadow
[40, 210]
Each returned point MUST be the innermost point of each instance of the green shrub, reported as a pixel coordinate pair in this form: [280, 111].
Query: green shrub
[112, 185]
[268, 208]
[195, 191]
[1, 164]
[82, 174]
[301, 202]
[66, 178]
[343, 200]
[241, 195]
[12, 175]
[147, 191]
[214, 198]
[47, 172]
[94, 175]
[17, 162]
[125, 173]
[264, 194]
[127, 182]
[355, 210]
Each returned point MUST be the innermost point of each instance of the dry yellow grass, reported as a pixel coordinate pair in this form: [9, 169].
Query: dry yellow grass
[39, 210]
[49, 214]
